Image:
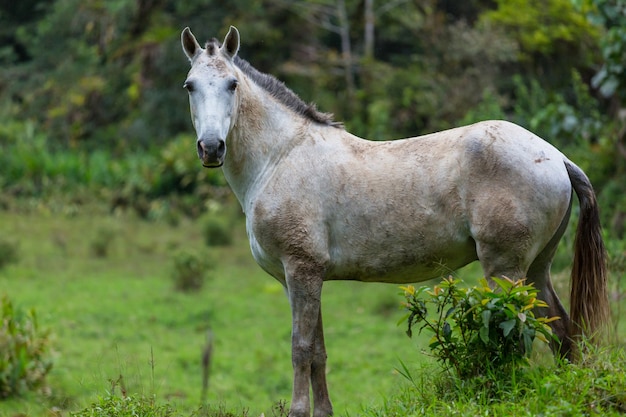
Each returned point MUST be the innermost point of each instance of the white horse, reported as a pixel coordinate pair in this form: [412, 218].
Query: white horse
[322, 204]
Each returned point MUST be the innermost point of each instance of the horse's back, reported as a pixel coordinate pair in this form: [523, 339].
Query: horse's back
[397, 210]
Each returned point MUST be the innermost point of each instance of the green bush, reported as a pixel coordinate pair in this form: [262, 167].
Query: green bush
[189, 271]
[217, 231]
[24, 351]
[479, 330]
[101, 243]
[8, 253]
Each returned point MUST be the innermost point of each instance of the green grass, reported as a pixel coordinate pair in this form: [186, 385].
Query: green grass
[116, 314]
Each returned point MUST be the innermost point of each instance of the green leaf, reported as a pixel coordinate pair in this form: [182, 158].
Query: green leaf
[512, 308]
[522, 288]
[507, 326]
[528, 343]
[434, 344]
[486, 316]
[403, 319]
[484, 334]
[505, 284]
[447, 331]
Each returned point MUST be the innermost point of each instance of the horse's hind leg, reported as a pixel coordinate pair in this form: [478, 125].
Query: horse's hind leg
[560, 328]
[539, 274]
[510, 258]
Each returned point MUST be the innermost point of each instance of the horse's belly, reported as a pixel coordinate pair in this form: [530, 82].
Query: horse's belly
[400, 263]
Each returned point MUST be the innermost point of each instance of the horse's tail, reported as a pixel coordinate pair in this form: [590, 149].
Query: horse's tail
[589, 302]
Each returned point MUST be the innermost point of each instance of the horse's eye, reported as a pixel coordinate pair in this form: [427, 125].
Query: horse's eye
[233, 85]
[188, 86]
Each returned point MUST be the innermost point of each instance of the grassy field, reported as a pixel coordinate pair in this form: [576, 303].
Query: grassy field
[118, 316]
[119, 324]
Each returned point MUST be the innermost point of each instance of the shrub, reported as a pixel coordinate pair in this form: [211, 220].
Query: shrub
[189, 271]
[217, 231]
[478, 331]
[101, 243]
[8, 253]
[24, 351]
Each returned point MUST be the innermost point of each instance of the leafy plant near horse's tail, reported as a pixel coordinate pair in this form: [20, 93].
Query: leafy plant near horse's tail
[478, 330]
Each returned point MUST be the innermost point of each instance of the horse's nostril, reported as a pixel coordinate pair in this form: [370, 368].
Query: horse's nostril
[200, 149]
[211, 150]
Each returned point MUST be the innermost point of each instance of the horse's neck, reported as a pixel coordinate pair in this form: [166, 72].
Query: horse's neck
[263, 134]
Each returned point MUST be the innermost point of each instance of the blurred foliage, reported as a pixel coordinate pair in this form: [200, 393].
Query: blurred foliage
[108, 74]
[9, 252]
[611, 79]
[189, 271]
[90, 90]
[100, 245]
[547, 32]
[32, 165]
[24, 350]
[217, 230]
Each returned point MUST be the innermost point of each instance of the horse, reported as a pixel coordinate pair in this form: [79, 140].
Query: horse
[322, 204]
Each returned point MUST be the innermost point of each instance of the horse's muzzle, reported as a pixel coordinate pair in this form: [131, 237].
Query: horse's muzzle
[211, 152]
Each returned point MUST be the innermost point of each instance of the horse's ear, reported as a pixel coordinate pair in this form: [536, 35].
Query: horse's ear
[231, 42]
[189, 43]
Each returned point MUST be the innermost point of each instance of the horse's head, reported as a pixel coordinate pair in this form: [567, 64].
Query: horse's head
[211, 84]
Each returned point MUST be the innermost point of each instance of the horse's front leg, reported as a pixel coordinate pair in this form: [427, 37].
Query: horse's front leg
[321, 400]
[304, 287]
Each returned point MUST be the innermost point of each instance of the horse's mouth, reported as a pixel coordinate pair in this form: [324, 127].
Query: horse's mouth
[210, 161]
[216, 164]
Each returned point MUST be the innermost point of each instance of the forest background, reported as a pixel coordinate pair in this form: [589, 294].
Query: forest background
[91, 96]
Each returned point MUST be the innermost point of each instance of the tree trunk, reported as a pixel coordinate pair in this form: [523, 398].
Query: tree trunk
[346, 48]
[370, 18]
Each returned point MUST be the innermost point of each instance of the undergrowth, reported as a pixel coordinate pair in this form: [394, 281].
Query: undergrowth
[25, 353]
[482, 338]
[120, 403]
[113, 405]
[9, 253]
[596, 386]
[151, 183]
[189, 271]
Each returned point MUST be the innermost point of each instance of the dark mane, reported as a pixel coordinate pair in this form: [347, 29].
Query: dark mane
[279, 90]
